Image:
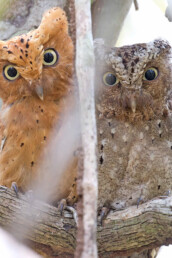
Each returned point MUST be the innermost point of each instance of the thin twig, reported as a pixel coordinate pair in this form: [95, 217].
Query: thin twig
[85, 76]
[136, 5]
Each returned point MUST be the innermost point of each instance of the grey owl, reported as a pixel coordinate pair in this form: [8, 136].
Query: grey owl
[134, 121]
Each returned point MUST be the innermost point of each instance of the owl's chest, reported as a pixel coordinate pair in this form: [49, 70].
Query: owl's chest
[133, 155]
[28, 118]
[25, 131]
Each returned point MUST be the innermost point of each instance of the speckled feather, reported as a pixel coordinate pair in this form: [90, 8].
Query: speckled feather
[26, 121]
[135, 146]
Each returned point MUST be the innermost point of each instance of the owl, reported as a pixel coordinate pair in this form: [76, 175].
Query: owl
[134, 120]
[35, 83]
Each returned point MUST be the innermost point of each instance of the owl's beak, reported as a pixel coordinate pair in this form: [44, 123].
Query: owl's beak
[39, 91]
[133, 105]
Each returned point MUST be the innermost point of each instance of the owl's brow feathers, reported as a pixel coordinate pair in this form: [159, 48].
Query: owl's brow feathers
[134, 61]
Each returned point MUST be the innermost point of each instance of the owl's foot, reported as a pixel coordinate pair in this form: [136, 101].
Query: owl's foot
[139, 201]
[167, 194]
[70, 200]
[63, 206]
[15, 188]
[29, 194]
[103, 214]
[66, 204]
[74, 213]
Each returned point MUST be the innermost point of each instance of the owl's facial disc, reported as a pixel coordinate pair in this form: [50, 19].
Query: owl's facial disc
[130, 96]
[32, 70]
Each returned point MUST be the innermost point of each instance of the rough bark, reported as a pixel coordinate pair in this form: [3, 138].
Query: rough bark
[123, 232]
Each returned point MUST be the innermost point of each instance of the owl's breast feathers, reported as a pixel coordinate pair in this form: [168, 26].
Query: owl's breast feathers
[26, 128]
[134, 160]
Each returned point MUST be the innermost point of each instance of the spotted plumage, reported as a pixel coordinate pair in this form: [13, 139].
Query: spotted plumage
[134, 121]
[35, 83]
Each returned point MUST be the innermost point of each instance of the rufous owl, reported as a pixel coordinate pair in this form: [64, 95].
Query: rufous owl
[134, 122]
[36, 71]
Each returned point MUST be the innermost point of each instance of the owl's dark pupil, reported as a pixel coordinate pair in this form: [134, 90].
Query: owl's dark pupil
[150, 75]
[12, 72]
[110, 79]
[48, 57]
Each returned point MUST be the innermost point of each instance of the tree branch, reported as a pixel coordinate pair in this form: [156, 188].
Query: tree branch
[123, 232]
[134, 230]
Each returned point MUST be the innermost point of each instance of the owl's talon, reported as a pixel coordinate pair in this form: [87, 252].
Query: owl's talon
[15, 188]
[74, 213]
[103, 214]
[139, 200]
[62, 205]
[167, 194]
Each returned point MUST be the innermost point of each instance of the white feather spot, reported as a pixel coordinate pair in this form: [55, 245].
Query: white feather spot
[113, 130]
[152, 156]
[141, 136]
[100, 131]
[125, 138]
[114, 148]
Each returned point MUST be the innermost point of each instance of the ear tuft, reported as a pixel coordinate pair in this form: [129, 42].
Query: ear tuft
[53, 21]
[159, 46]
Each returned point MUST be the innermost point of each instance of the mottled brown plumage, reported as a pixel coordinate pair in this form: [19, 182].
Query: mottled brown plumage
[134, 121]
[34, 100]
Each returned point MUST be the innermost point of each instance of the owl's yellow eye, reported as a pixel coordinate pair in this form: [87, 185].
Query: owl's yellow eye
[50, 57]
[10, 72]
[150, 74]
[110, 79]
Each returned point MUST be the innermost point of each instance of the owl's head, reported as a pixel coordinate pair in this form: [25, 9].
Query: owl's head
[133, 82]
[38, 63]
